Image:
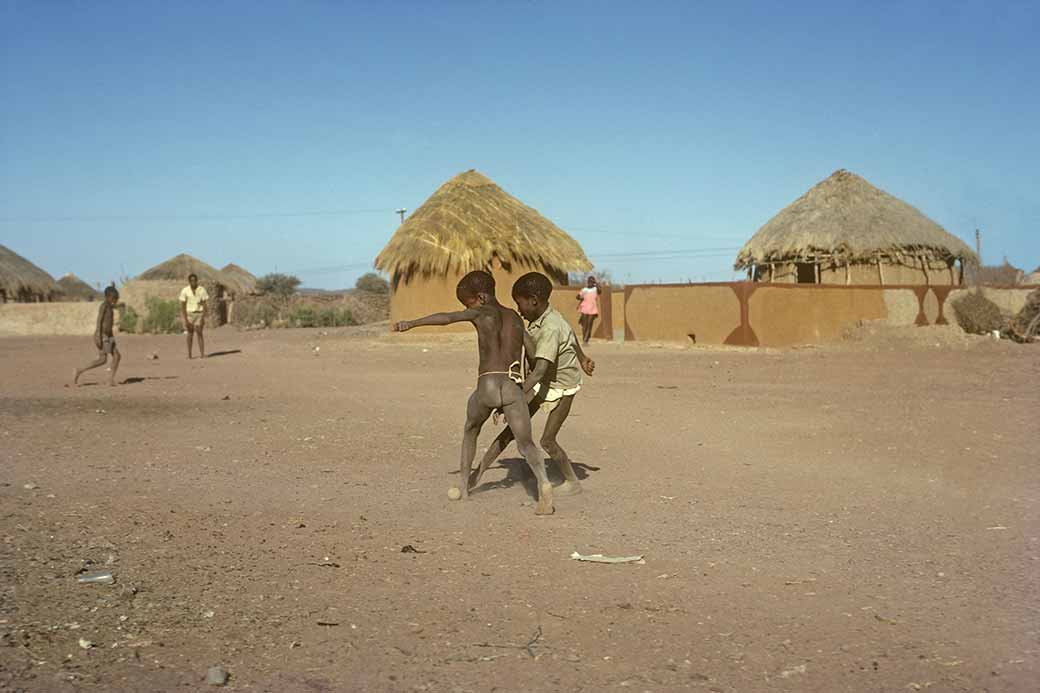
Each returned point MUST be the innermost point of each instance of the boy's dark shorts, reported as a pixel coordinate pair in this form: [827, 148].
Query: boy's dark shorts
[108, 345]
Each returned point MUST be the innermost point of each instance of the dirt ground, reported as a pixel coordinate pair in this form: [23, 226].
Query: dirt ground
[815, 519]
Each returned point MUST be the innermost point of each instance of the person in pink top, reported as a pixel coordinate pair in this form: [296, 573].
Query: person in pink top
[588, 308]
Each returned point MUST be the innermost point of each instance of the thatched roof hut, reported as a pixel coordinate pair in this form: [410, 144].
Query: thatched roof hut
[166, 280]
[75, 289]
[846, 231]
[244, 281]
[470, 223]
[21, 280]
[179, 267]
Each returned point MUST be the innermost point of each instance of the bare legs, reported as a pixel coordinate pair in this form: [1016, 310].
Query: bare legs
[570, 485]
[116, 358]
[492, 392]
[196, 331]
[102, 359]
[557, 416]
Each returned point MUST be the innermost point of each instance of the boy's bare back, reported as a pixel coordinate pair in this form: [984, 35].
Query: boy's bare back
[500, 337]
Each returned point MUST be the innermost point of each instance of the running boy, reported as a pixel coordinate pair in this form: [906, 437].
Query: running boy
[103, 339]
[500, 339]
[555, 378]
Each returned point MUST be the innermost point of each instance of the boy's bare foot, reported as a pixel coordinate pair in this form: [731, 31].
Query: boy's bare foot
[568, 488]
[545, 499]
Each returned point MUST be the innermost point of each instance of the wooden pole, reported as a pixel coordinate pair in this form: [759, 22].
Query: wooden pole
[816, 270]
[848, 278]
[880, 271]
[924, 266]
[772, 276]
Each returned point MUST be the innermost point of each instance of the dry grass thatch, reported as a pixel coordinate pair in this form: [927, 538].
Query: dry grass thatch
[21, 280]
[976, 314]
[244, 281]
[75, 289]
[178, 268]
[847, 219]
[469, 220]
[1026, 324]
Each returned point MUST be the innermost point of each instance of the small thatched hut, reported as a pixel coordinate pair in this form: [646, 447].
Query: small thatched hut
[846, 231]
[75, 289]
[21, 280]
[468, 224]
[166, 280]
[244, 282]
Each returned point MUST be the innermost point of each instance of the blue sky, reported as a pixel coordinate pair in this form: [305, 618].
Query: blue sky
[283, 135]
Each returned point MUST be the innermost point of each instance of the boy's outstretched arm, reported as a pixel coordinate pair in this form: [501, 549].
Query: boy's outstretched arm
[436, 319]
[587, 364]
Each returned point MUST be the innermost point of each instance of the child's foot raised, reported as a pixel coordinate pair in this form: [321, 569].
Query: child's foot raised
[545, 499]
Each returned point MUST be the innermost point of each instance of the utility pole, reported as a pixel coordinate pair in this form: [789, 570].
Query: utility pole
[403, 210]
[978, 245]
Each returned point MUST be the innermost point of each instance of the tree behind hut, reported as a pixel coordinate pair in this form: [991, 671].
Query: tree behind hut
[372, 283]
[281, 285]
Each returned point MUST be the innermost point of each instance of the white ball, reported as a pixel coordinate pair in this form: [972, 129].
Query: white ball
[454, 493]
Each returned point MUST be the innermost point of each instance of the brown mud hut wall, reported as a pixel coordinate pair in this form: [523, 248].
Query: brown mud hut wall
[423, 295]
[757, 314]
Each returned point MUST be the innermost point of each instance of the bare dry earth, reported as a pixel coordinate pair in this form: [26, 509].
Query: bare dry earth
[811, 519]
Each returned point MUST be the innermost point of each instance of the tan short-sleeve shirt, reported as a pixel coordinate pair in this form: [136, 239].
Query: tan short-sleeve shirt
[554, 341]
[193, 300]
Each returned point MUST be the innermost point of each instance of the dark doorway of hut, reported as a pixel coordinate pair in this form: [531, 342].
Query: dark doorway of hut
[806, 272]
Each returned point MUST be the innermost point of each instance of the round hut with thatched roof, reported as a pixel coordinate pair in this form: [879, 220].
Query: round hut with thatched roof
[846, 231]
[244, 280]
[469, 224]
[22, 281]
[166, 280]
[75, 289]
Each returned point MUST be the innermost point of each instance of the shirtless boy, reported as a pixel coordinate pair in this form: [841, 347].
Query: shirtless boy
[103, 339]
[555, 377]
[500, 339]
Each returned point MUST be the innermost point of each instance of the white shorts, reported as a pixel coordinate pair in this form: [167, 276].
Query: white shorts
[554, 395]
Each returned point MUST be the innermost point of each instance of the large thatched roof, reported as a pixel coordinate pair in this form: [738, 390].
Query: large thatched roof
[245, 281]
[179, 267]
[75, 289]
[846, 218]
[466, 222]
[21, 278]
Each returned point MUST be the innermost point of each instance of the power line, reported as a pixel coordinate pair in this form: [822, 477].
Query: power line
[193, 217]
